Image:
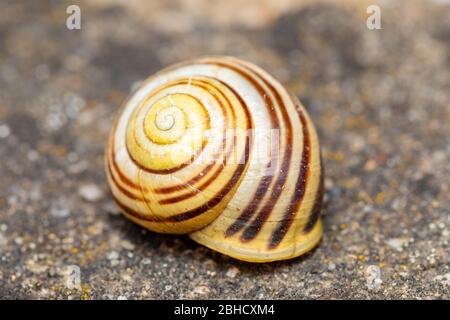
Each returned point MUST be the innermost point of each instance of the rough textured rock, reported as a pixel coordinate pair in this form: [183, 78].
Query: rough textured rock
[380, 100]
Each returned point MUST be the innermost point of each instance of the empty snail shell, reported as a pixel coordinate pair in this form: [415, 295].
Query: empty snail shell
[218, 149]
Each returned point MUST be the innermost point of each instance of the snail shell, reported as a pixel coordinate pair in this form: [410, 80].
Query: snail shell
[218, 149]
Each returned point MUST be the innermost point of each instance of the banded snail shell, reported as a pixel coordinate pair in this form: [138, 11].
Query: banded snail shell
[218, 149]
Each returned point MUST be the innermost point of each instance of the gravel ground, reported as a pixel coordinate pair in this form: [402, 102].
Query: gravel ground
[380, 100]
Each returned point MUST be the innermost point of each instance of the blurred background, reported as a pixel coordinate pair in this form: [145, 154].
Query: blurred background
[380, 100]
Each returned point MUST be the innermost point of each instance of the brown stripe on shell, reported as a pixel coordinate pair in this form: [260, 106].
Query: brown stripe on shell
[300, 188]
[190, 182]
[111, 159]
[194, 192]
[133, 212]
[315, 212]
[200, 209]
[122, 177]
[122, 189]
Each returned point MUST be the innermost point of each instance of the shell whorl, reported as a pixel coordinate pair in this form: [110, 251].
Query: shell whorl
[218, 149]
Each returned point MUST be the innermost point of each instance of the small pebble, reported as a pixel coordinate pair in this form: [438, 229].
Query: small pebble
[90, 192]
[114, 263]
[232, 272]
[59, 212]
[443, 279]
[331, 266]
[3, 240]
[201, 290]
[127, 245]
[78, 167]
[33, 155]
[373, 278]
[113, 258]
[4, 131]
[113, 255]
[398, 243]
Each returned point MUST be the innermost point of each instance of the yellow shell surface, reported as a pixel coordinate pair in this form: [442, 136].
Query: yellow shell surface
[218, 149]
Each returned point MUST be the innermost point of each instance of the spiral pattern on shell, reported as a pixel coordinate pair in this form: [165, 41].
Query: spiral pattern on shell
[218, 149]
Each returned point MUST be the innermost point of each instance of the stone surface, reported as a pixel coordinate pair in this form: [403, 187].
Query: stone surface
[380, 100]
